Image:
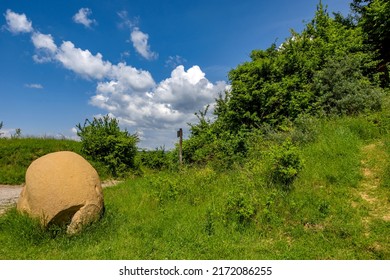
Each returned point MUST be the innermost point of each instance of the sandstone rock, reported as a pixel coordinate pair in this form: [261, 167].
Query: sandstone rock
[62, 188]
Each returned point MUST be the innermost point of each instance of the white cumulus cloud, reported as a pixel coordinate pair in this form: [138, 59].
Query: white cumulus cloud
[82, 62]
[44, 46]
[18, 23]
[44, 41]
[82, 17]
[170, 103]
[141, 45]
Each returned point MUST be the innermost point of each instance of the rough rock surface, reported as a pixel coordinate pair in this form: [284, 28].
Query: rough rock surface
[62, 188]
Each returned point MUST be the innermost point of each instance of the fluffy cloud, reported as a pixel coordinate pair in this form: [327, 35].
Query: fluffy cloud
[82, 62]
[43, 41]
[169, 104]
[18, 23]
[188, 91]
[82, 17]
[140, 43]
[7, 133]
[139, 39]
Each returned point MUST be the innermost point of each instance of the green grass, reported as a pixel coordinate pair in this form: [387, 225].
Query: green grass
[17, 154]
[200, 213]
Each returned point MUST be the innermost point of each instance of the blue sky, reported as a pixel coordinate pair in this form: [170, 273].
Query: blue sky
[151, 64]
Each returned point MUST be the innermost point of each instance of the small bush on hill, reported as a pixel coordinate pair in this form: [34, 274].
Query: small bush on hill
[105, 142]
[287, 163]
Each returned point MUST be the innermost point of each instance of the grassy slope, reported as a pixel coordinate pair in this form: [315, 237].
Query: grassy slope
[202, 214]
[17, 154]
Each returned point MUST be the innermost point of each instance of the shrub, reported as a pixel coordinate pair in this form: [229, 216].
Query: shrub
[287, 163]
[211, 143]
[155, 159]
[240, 209]
[105, 142]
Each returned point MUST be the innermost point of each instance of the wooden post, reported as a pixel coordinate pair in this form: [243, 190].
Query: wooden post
[180, 135]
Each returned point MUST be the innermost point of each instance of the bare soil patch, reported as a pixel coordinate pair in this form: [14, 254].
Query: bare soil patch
[374, 160]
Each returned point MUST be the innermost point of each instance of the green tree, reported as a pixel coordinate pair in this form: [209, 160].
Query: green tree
[342, 88]
[279, 83]
[104, 141]
[374, 18]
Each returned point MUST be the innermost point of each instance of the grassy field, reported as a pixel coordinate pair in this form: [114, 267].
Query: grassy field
[18, 153]
[338, 208]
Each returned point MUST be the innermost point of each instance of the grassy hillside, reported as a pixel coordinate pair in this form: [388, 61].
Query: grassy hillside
[337, 208]
[17, 154]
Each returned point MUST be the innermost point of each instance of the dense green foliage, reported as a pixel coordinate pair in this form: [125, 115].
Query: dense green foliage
[157, 159]
[17, 154]
[103, 141]
[374, 18]
[320, 70]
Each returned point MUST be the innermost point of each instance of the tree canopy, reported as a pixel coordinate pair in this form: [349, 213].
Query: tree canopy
[324, 69]
[374, 19]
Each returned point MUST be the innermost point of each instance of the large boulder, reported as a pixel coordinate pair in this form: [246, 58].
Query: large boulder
[62, 188]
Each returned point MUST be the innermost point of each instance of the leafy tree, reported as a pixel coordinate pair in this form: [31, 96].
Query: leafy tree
[279, 84]
[343, 90]
[105, 142]
[17, 134]
[374, 18]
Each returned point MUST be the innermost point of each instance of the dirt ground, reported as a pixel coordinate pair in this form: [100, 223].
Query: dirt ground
[8, 196]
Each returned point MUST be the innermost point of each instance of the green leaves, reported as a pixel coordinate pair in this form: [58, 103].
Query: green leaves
[325, 65]
[103, 141]
[375, 22]
[287, 163]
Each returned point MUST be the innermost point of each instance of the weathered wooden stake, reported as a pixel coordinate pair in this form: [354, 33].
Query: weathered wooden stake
[180, 134]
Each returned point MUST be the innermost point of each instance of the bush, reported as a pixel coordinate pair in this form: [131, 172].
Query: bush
[287, 163]
[211, 143]
[103, 141]
[240, 209]
[157, 159]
